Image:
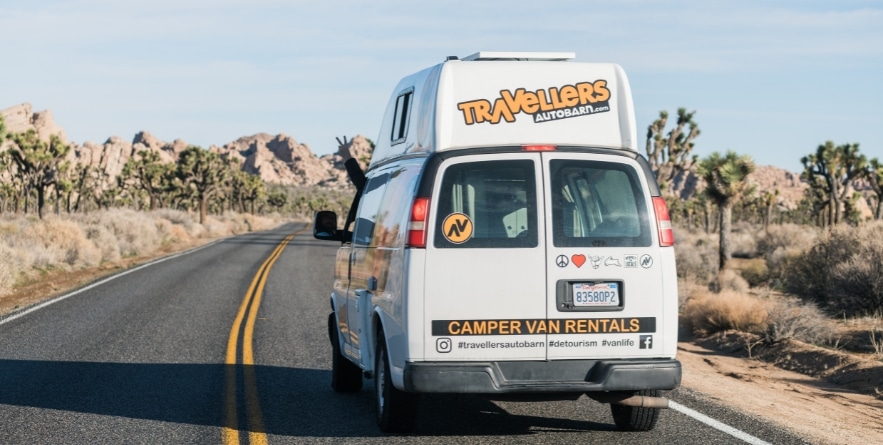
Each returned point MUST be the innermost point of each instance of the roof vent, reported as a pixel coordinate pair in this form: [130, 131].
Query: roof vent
[523, 56]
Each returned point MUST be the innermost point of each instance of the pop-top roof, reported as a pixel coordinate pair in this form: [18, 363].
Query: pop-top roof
[504, 55]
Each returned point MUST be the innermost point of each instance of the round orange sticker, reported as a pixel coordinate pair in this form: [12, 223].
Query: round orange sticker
[457, 228]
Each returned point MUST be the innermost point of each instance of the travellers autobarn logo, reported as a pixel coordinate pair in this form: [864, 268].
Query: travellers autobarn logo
[543, 105]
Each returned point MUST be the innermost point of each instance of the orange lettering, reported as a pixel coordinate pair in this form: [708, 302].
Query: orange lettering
[601, 90]
[513, 102]
[544, 103]
[586, 93]
[530, 103]
[501, 110]
[468, 109]
[604, 323]
[569, 96]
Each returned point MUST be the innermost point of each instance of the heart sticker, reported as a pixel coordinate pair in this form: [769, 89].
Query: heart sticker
[578, 260]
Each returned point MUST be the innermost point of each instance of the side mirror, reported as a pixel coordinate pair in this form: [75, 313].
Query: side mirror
[325, 226]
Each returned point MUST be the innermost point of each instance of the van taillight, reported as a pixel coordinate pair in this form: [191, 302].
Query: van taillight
[663, 221]
[539, 147]
[417, 225]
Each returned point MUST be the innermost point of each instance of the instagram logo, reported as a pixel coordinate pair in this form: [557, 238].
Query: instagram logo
[443, 345]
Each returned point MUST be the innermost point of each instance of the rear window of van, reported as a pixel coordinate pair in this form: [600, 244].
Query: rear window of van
[597, 204]
[487, 204]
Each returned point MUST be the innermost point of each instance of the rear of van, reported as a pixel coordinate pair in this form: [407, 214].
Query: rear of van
[539, 257]
[546, 271]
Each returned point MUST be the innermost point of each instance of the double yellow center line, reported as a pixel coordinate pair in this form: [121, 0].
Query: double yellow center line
[256, 432]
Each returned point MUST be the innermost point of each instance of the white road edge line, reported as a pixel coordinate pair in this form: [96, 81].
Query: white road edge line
[716, 424]
[99, 283]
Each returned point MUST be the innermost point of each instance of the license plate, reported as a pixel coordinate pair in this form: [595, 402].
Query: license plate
[596, 294]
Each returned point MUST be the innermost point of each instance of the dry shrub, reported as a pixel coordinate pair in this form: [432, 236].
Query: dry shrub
[708, 313]
[729, 279]
[755, 272]
[789, 318]
[105, 240]
[236, 223]
[61, 243]
[137, 235]
[197, 231]
[843, 272]
[781, 244]
[696, 255]
[215, 227]
[7, 269]
[243, 222]
[178, 234]
[163, 229]
[176, 217]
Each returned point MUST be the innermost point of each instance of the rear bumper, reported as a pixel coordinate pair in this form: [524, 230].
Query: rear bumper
[571, 376]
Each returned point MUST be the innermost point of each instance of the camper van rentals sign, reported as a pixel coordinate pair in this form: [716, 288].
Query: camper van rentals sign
[543, 105]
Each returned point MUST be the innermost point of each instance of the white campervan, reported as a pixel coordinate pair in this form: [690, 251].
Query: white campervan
[510, 240]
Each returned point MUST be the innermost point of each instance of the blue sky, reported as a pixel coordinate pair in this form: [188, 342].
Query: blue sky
[771, 79]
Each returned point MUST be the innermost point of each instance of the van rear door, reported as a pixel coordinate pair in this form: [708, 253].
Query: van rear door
[604, 288]
[486, 260]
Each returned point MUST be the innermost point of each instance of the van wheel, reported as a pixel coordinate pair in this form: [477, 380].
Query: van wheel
[396, 409]
[634, 418]
[345, 376]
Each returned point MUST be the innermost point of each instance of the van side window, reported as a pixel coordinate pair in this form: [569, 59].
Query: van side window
[598, 204]
[498, 199]
[369, 206]
[402, 116]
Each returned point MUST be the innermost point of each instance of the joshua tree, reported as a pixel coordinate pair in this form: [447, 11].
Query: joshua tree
[836, 166]
[203, 173]
[725, 177]
[38, 162]
[247, 188]
[670, 154]
[766, 202]
[151, 175]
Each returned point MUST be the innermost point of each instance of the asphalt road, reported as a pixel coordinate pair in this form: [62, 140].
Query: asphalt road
[158, 356]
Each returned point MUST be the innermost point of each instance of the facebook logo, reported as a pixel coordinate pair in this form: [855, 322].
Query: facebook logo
[645, 342]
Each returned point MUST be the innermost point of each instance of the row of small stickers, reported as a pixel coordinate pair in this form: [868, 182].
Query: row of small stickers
[597, 261]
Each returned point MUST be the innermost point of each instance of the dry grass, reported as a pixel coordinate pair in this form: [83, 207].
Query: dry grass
[708, 313]
[771, 316]
[30, 246]
[843, 272]
[790, 318]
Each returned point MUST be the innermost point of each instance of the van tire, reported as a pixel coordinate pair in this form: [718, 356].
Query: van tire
[345, 375]
[634, 418]
[396, 409]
